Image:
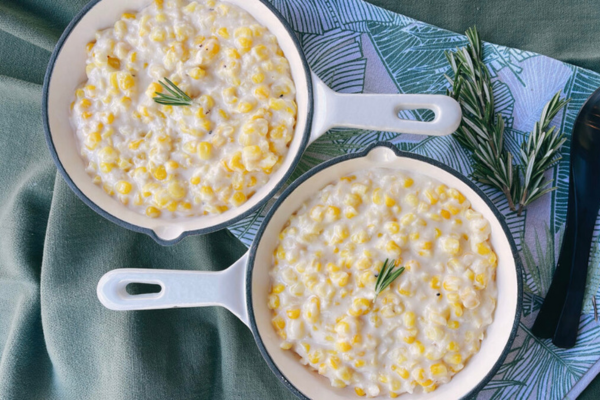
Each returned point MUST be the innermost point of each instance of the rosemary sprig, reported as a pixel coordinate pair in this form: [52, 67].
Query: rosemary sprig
[538, 153]
[177, 97]
[482, 131]
[386, 276]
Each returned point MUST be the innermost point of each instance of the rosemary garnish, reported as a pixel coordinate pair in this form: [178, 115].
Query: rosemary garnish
[176, 98]
[482, 132]
[386, 276]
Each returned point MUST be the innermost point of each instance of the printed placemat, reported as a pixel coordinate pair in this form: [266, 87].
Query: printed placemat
[355, 47]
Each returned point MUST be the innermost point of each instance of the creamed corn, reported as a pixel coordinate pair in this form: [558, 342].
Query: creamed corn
[182, 161]
[425, 326]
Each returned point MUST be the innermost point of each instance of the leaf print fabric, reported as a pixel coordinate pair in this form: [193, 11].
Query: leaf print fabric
[356, 47]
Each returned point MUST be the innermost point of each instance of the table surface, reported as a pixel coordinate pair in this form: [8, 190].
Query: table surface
[56, 340]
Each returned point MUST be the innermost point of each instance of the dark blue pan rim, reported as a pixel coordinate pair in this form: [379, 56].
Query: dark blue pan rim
[147, 231]
[290, 189]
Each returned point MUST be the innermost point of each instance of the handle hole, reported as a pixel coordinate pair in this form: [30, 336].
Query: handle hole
[419, 114]
[142, 288]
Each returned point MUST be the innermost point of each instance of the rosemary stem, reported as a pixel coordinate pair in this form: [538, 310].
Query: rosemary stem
[481, 131]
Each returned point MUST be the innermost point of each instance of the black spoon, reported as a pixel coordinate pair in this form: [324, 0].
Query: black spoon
[559, 316]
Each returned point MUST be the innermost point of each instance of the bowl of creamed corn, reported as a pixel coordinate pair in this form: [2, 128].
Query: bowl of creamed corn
[179, 117]
[381, 274]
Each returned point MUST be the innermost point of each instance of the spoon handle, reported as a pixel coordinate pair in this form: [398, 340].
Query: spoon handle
[566, 330]
[547, 319]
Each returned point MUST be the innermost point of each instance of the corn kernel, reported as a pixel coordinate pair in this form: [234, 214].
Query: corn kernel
[408, 182]
[176, 190]
[85, 103]
[453, 359]
[418, 374]
[350, 212]
[402, 372]
[392, 247]
[223, 114]
[359, 391]
[411, 199]
[360, 237]
[276, 104]
[260, 52]
[409, 319]
[453, 210]
[278, 288]
[315, 357]
[458, 309]
[258, 77]
[285, 345]
[90, 46]
[223, 32]
[126, 102]
[418, 347]
[392, 227]
[205, 150]
[409, 339]
[377, 196]
[407, 219]
[389, 202]
[451, 245]
[245, 43]
[334, 361]
[293, 313]
[483, 249]
[455, 194]
[93, 140]
[113, 62]
[343, 346]
[245, 106]
[360, 306]
[238, 199]
[158, 34]
[431, 196]
[196, 73]
[123, 187]
[273, 302]
[492, 259]
[452, 346]
[261, 92]
[453, 324]
[278, 323]
[160, 173]
[153, 212]
[445, 213]
[332, 213]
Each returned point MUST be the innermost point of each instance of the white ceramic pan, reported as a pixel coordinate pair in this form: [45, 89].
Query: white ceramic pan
[243, 288]
[319, 109]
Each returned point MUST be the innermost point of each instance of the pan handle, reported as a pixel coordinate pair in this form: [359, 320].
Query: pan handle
[225, 288]
[380, 112]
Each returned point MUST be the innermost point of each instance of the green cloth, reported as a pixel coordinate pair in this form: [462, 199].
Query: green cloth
[56, 340]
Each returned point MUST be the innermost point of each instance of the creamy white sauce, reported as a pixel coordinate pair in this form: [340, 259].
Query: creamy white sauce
[174, 161]
[425, 326]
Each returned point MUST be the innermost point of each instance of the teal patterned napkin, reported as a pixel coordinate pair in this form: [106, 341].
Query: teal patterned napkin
[356, 47]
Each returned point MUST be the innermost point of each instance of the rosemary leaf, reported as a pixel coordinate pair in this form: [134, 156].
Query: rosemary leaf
[520, 178]
[177, 97]
[386, 276]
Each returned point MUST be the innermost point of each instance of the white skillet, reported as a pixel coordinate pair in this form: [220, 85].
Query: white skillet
[319, 109]
[243, 287]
